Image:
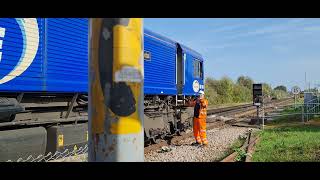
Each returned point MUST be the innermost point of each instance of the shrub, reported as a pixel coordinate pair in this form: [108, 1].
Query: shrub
[226, 90]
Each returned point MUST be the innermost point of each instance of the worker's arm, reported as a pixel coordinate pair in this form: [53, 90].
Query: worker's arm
[204, 103]
[190, 102]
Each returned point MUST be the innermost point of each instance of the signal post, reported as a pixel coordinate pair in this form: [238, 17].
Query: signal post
[116, 90]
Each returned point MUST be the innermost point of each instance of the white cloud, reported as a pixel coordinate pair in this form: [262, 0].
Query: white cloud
[273, 29]
[226, 28]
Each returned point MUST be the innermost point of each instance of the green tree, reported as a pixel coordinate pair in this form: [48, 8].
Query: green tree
[245, 81]
[279, 94]
[266, 89]
[281, 87]
[211, 93]
[225, 89]
[241, 94]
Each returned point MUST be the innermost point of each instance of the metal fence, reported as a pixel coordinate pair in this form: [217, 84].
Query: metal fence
[307, 110]
[79, 155]
[311, 108]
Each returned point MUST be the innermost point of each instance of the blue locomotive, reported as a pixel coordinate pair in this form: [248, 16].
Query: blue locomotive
[44, 74]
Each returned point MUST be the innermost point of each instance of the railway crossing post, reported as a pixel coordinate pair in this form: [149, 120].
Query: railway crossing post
[116, 90]
[296, 91]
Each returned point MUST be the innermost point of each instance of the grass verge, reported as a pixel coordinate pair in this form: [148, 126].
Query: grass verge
[286, 139]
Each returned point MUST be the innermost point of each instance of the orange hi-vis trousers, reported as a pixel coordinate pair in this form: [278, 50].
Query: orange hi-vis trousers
[199, 130]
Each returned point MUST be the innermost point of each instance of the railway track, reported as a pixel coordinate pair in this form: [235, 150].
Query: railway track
[236, 111]
[233, 113]
[212, 123]
[239, 108]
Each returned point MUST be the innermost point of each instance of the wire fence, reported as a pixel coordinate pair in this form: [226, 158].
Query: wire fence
[76, 155]
[307, 110]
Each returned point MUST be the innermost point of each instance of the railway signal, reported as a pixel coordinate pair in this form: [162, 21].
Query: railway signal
[258, 100]
[116, 90]
[257, 94]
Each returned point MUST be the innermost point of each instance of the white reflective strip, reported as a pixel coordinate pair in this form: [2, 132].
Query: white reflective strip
[0, 56]
[1, 44]
[2, 32]
[31, 39]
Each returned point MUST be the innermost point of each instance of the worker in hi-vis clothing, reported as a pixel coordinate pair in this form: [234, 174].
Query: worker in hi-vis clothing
[199, 119]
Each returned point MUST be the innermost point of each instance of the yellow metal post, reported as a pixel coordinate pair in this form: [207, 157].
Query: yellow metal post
[116, 89]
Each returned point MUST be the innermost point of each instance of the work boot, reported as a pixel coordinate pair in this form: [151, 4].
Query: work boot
[205, 143]
[196, 144]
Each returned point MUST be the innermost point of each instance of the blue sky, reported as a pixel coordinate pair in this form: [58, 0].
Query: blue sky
[276, 51]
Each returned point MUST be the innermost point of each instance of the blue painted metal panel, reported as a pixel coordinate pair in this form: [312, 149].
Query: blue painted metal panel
[67, 55]
[160, 70]
[191, 52]
[191, 56]
[61, 60]
[21, 54]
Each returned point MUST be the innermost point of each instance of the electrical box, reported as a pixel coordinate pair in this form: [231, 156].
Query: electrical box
[63, 137]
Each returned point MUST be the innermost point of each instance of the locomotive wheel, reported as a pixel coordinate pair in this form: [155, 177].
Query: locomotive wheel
[12, 117]
[147, 143]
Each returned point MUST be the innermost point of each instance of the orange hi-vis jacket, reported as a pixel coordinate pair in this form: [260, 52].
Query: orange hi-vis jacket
[200, 108]
[203, 109]
[199, 120]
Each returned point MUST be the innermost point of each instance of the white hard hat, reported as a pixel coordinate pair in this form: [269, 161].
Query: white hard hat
[201, 92]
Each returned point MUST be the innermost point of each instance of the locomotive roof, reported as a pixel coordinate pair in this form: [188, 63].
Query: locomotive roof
[185, 48]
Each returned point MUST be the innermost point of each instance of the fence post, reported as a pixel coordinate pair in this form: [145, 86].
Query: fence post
[262, 117]
[116, 90]
[302, 112]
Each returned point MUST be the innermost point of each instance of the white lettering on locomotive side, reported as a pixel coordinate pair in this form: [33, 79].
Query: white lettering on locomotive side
[195, 86]
[2, 32]
[30, 35]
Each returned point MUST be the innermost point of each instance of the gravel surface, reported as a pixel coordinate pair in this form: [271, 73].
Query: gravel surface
[220, 140]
